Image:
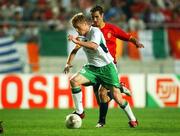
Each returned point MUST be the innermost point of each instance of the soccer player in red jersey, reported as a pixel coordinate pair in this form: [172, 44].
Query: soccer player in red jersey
[111, 33]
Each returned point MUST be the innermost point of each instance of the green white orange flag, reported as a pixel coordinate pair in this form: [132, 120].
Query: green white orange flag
[155, 42]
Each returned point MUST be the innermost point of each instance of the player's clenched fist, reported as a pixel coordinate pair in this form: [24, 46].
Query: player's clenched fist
[73, 39]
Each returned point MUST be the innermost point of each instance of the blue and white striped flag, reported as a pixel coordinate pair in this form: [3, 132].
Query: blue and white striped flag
[9, 57]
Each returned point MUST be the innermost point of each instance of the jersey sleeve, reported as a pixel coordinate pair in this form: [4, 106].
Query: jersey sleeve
[96, 36]
[120, 34]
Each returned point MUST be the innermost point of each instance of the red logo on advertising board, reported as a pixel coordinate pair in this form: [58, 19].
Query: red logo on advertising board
[168, 91]
[26, 92]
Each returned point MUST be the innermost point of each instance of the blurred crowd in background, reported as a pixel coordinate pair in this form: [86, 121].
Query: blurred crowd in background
[27, 17]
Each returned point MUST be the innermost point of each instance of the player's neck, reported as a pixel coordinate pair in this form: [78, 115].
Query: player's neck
[88, 29]
[102, 25]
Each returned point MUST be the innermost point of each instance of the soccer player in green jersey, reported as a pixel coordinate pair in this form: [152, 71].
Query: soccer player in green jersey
[99, 69]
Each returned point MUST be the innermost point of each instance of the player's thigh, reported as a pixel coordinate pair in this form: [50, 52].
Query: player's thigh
[79, 79]
[108, 76]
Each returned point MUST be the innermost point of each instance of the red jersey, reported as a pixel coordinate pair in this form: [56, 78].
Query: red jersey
[111, 32]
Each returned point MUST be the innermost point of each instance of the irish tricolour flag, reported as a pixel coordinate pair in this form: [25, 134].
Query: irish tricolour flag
[155, 42]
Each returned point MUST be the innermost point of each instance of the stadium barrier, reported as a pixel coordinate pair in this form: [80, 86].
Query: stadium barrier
[28, 91]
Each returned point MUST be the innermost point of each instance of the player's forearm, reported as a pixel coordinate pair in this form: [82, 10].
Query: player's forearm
[71, 57]
[88, 44]
[136, 42]
[121, 34]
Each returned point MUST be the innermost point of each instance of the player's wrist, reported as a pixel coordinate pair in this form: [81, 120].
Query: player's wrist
[78, 42]
[134, 41]
[68, 65]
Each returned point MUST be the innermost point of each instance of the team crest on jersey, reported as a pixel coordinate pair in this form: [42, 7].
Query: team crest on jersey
[109, 35]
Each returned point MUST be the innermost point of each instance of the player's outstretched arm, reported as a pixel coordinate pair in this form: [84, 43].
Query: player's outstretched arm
[70, 59]
[136, 42]
[87, 44]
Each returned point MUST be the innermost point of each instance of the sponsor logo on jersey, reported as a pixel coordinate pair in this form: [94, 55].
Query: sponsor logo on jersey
[109, 35]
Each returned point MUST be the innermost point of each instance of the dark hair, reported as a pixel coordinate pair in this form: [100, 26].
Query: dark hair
[97, 8]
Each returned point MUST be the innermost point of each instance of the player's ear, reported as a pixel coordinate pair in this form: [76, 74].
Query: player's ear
[102, 15]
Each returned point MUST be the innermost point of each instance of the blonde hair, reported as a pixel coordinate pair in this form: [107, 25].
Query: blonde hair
[78, 18]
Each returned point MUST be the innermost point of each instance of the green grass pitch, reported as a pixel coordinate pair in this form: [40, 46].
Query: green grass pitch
[41, 122]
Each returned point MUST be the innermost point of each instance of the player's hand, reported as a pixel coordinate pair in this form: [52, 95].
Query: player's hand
[67, 68]
[139, 45]
[73, 39]
[70, 37]
[136, 42]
